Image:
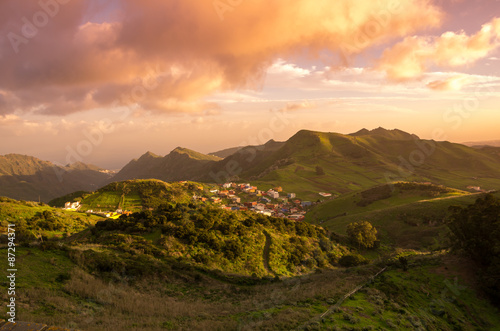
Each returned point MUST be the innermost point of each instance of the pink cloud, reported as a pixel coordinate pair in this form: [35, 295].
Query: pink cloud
[166, 55]
[415, 55]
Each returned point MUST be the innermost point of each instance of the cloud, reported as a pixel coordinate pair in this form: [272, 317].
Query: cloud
[415, 55]
[454, 83]
[295, 106]
[167, 55]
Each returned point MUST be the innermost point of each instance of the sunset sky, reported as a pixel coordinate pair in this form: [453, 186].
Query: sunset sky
[105, 81]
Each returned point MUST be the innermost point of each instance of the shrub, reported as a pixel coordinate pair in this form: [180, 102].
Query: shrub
[362, 234]
[352, 260]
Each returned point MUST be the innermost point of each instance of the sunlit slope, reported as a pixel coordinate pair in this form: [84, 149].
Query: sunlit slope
[367, 158]
[408, 218]
[133, 195]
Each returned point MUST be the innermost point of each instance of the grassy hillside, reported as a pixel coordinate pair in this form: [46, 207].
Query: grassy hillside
[34, 220]
[311, 162]
[198, 267]
[178, 296]
[134, 195]
[426, 297]
[365, 159]
[380, 197]
[409, 218]
[242, 243]
[308, 163]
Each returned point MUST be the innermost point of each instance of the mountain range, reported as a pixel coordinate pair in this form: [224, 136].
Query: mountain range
[28, 178]
[307, 163]
[494, 143]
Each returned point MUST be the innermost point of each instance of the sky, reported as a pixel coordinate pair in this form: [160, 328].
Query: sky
[102, 82]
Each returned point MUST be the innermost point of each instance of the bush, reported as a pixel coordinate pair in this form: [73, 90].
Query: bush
[362, 233]
[352, 260]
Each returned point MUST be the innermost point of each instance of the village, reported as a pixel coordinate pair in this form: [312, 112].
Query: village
[236, 197]
[273, 202]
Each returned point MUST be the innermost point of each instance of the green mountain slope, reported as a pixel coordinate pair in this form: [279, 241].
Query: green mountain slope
[368, 158]
[28, 178]
[37, 220]
[133, 195]
[409, 218]
[308, 163]
[271, 145]
[155, 295]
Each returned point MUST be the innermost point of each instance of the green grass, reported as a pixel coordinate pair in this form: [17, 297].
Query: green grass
[416, 225]
[355, 163]
[134, 195]
[419, 298]
[402, 194]
[131, 202]
[39, 269]
[11, 210]
[102, 201]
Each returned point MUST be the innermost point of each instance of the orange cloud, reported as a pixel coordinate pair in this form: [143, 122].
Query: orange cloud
[454, 83]
[294, 106]
[413, 56]
[166, 55]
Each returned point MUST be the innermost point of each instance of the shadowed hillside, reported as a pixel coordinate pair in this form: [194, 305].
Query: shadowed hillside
[180, 164]
[28, 178]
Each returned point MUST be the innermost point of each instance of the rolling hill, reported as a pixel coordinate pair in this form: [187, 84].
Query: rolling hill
[308, 163]
[132, 195]
[410, 216]
[367, 158]
[271, 145]
[197, 267]
[311, 162]
[28, 178]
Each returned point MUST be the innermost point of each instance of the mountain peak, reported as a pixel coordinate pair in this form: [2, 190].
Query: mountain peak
[179, 149]
[193, 154]
[149, 155]
[271, 141]
[361, 132]
[395, 134]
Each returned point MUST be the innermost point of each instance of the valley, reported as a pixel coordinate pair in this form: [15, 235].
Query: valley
[269, 247]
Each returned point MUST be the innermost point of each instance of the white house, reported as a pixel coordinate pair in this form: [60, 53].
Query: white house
[72, 205]
[273, 194]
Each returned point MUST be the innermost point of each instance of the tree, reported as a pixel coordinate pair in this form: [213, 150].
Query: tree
[475, 232]
[362, 234]
[320, 171]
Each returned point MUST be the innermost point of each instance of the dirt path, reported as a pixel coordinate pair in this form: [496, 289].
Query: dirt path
[265, 253]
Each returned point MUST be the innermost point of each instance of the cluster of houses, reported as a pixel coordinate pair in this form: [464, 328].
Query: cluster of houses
[76, 206]
[73, 206]
[232, 196]
[273, 202]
